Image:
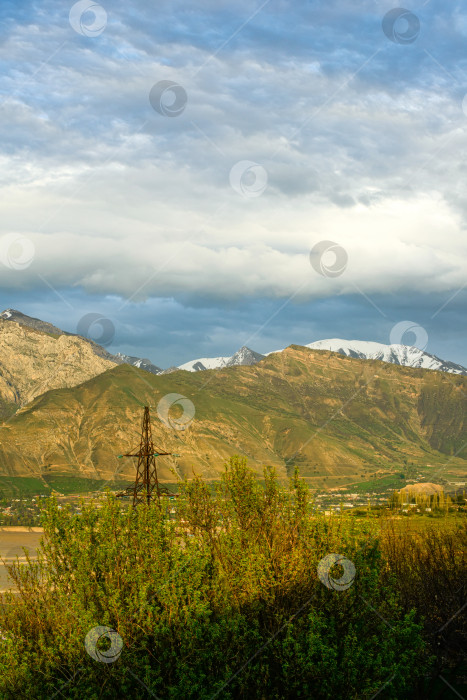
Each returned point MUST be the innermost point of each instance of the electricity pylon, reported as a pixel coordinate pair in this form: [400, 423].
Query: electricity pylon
[146, 487]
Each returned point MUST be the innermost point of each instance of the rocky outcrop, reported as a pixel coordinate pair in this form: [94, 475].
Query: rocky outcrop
[34, 361]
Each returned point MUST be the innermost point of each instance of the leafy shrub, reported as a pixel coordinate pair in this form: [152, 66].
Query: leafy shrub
[224, 601]
[429, 566]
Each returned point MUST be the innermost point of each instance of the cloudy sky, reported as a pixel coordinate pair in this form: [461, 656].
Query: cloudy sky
[169, 166]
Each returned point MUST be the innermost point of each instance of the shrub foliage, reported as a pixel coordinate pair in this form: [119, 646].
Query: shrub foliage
[220, 600]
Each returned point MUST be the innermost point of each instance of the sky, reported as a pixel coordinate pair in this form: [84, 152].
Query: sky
[198, 176]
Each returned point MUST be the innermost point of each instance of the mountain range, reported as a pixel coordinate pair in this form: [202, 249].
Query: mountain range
[407, 356]
[334, 416]
[66, 408]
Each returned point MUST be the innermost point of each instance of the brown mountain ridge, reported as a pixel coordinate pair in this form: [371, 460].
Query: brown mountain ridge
[335, 417]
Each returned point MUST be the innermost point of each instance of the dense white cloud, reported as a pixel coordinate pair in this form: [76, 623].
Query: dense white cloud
[362, 140]
[116, 237]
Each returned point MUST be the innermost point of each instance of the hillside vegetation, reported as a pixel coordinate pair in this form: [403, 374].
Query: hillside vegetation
[234, 596]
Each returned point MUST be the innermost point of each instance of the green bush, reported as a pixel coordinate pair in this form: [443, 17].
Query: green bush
[429, 567]
[223, 601]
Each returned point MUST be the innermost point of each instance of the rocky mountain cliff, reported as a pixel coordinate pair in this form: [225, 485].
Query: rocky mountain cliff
[34, 360]
[45, 327]
[18, 317]
[30, 322]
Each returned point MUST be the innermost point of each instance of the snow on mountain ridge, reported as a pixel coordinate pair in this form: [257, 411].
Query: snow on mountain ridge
[405, 355]
[243, 356]
[138, 362]
[204, 363]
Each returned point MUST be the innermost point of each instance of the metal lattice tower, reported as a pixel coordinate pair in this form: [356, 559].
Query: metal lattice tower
[146, 487]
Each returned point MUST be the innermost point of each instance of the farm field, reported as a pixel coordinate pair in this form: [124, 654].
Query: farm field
[12, 541]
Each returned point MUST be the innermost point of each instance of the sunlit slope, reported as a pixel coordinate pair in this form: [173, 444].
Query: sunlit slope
[34, 361]
[334, 416]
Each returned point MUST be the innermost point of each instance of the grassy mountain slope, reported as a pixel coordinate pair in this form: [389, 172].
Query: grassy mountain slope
[336, 417]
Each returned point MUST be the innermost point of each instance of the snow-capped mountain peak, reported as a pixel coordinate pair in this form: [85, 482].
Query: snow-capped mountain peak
[203, 363]
[138, 362]
[244, 356]
[406, 355]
